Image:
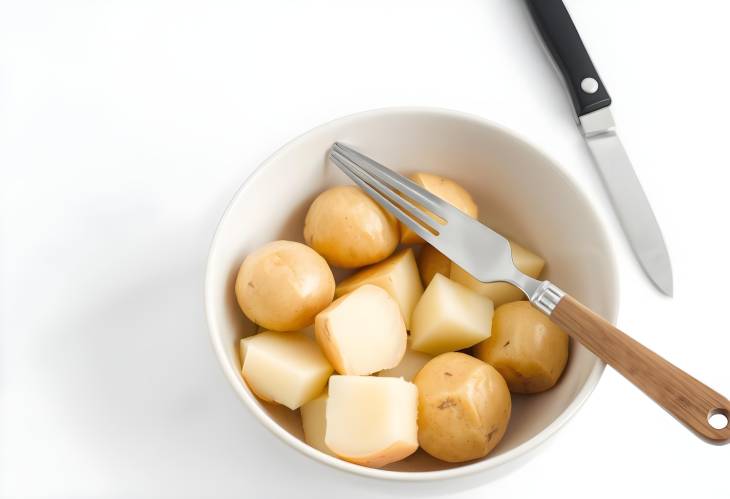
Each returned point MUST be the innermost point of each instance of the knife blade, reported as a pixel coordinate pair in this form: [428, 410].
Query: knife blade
[592, 105]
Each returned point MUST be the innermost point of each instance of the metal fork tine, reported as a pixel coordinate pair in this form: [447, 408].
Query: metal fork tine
[406, 205]
[352, 170]
[462, 238]
[394, 180]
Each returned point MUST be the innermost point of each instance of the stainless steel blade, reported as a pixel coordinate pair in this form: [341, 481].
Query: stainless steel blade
[628, 198]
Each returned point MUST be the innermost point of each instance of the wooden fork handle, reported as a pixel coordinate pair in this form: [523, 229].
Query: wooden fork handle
[685, 398]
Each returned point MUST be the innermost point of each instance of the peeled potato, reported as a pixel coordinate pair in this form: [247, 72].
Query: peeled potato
[362, 332]
[446, 189]
[349, 229]
[431, 262]
[283, 284]
[398, 275]
[287, 368]
[408, 367]
[525, 347]
[502, 292]
[371, 420]
[464, 407]
[449, 317]
[314, 423]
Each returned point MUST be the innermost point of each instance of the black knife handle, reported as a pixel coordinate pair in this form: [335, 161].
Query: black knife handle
[563, 41]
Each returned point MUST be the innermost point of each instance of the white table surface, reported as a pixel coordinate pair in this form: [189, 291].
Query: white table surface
[125, 128]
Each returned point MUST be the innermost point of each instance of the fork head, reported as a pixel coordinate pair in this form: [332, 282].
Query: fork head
[476, 248]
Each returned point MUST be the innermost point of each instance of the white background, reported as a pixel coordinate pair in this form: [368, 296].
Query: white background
[125, 128]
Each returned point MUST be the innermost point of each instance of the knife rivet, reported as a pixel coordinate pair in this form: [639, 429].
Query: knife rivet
[589, 85]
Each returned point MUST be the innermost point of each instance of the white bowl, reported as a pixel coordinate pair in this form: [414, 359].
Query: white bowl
[520, 192]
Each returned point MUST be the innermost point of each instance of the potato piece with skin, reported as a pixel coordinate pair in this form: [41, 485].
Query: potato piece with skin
[287, 368]
[464, 407]
[431, 262]
[283, 284]
[371, 421]
[446, 189]
[398, 275]
[502, 292]
[525, 347]
[308, 331]
[408, 367]
[349, 229]
[314, 423]
[362, 332]
[449, 317]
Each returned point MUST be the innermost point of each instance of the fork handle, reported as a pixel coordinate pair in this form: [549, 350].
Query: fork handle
[685, 398]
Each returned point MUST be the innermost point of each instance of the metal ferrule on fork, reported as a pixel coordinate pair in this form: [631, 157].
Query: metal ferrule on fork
[546, 297]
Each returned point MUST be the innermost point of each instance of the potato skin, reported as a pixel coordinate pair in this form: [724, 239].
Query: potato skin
[431, 262]
[464, 407]
[349, 229]
[283, 284]
[525, 347]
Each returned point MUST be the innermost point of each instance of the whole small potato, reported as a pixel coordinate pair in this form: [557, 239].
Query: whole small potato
[464, 406]
[525, 347]
[349, 229]
[283, 285]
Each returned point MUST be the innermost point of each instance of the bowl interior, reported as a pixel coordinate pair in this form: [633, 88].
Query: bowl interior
[520, 193]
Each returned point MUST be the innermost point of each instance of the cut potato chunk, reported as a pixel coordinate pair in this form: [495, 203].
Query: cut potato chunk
[525, 347]
[371, 421]
[464, 407]
[446, 189]
[410, 364]
[449, 317]
[502, 292]
[314, 422]
[431, 262]
[287, 368]
[362, 332]
[398, 275]
[349, 229]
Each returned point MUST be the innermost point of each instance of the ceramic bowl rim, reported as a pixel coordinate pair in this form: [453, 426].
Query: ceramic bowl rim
[411, 476]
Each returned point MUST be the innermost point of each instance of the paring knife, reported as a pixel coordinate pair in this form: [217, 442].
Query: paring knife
[593, 108]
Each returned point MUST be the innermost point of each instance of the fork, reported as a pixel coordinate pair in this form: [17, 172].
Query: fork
[487, 256]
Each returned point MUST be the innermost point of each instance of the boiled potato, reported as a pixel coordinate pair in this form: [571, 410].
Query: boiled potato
[446, 189]
[370, 420]
[308, 331]
[398, 275]
[449, 317]
[349, 229]
[525, 347]
[287, 368]
[314, 423]
[502, 292]
[431, 262]
[464, 406]
[362, 332]
[282, 285]
[408, 367]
